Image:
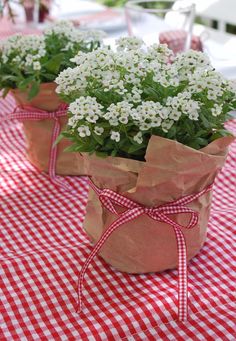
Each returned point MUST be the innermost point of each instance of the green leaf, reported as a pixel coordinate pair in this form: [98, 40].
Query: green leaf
[71, 148]
[220, 133]
[24, 83]
[8, 78]
[58, 140]
[114, 152]
[48, 76]
[33, 90]
[194, 145]
[172, 132]
[135, 147]
[5, 92]
[83, 147]
[67, 134]
[98, 138]
[201, 141]
[101, 154]
[53, 65]
[205, 121]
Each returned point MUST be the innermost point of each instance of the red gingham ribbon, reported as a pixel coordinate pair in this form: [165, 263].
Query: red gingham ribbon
[160, 213]
[35, 114]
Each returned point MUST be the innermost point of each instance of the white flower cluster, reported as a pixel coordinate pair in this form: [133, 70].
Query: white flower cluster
[24, 50]
[183, 104]
[186, 63]
[146, 89]
[210, 81]
[128, 43]
[120, 71]
[27, 50]
[118, 113]
[86, 108]
[144, 117]
[68, 81]
[66, 29]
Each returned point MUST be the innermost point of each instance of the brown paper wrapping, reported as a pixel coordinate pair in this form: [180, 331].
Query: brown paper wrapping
[38, 133]
[171, 171]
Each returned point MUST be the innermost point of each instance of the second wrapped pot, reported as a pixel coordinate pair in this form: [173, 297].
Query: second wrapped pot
[38, 133]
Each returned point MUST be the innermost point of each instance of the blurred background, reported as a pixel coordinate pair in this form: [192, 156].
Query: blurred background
[205, 25]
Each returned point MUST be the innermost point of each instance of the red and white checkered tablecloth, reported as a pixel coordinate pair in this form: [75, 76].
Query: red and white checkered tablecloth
[43, 246]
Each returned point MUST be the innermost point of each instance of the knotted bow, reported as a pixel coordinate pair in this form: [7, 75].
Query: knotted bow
[35, 114]
[160, 213]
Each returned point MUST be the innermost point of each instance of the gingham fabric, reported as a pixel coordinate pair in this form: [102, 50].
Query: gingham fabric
[176, 40]
[43, 247]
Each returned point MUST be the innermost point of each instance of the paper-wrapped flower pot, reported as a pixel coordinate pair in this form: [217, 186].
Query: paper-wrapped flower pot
[38, 133]
[171, 171]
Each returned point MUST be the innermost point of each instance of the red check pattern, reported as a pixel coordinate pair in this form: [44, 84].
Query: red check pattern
[43, 247]
[176, 40]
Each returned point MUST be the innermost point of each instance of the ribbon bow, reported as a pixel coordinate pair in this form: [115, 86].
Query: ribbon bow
[35, 114]
[160, 213]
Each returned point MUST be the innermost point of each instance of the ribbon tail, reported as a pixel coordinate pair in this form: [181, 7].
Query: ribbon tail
[53, 157]
[53, 150]
[182, 274]
[124, 218]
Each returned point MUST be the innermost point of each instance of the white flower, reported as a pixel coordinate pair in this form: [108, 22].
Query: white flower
[212, 95]
[156, 122]
[216, 110]
[175, 115]
[36, 66]
[164, 112]
[115, 136]
[72, 122]
[166, 125]
[138, 138]
[98, 130]
[193, 116]
[128, 43]
[145, 126]
[84, 131]
[114, 122]
[190, 108]
[92, 117]
[124, 119]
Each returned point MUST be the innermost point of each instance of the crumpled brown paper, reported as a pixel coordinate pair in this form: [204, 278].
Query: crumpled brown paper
[38, 133]
[171, 171]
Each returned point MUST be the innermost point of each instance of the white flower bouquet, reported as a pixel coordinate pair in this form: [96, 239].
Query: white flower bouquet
[26, 61]
[29, 65]
[118, 100]
[154, 123]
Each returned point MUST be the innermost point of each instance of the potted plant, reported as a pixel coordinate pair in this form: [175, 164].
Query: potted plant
[150, 126]
[147, 120]
[29, 65]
